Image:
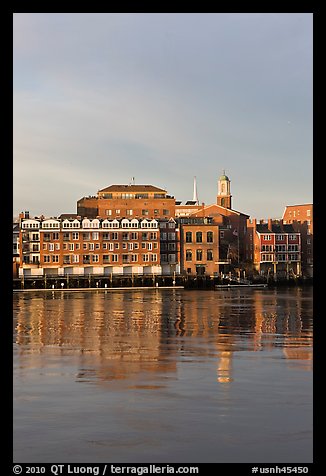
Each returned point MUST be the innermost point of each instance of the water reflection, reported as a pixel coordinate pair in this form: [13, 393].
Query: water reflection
[121, 334]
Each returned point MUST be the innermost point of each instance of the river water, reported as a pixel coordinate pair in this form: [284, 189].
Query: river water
[163, 376]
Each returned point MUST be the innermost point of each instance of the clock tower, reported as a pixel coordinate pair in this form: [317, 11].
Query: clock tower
[224, 191]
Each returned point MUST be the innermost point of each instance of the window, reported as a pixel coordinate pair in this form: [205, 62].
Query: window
[51, 247]
[95, 235]
[47, 236]
[134, 235]
[144, 212]
[164, 236]
[117, 212]
[71, 246]
[115, 258]
[222, 234]
[199, 237]
[66, 237]
[108, 212]
[86, 259]
[209, 255]
[106, 236]
[129, 212]
[171, 236]
[66, 259]
[125, 258]
[77, 246]
[91, 246]
[86, 236]
[171, 258]
[144, 236]
[149, 246]
[143, 245]
[55, 236]
[153, 235]
[130, 246]
[95, 258]
[116, 246]
[134, 258]
[279, 237]
[308, 213]
[125, 236]
[145, 257]
[114, 235]
[36, 247]
[199, 255]
[84, 246]
[45, 246]
[46, 259]
[124, 246]
[166, 212]
[268, 237]
[188, 255]
[156, 211]
[75, 235]
[55, 258]
[188, 237]
[75, 258]
[209, 237]
[106, 258]
[136, 246]
[154, 257]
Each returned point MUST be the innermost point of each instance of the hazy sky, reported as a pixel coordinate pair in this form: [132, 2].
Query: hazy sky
[100, 98]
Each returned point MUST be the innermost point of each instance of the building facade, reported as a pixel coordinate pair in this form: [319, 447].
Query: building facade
[199, 246]
[88, 246]
[274, 248]
[301, 218]
[128, 201]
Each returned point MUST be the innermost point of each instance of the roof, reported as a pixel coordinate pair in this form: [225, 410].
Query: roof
[68, 216]
[132, 188]
[276, 228]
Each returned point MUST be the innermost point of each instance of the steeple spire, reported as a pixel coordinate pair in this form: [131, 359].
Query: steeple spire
[195, 195]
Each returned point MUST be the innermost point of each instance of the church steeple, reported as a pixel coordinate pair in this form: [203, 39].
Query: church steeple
[224, 191]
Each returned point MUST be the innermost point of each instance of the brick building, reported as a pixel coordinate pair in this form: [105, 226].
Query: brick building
[199, 246]
[301, 218]
[128, 201]
[273, 247]
[61, 246]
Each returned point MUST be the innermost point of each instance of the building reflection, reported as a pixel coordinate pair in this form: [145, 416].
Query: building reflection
[133, 335]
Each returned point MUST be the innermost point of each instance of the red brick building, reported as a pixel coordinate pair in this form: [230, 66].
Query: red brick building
[273, 247]
[301, 218]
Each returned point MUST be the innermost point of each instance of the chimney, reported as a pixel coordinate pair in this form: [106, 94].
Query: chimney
[270, 224]
[26, 214]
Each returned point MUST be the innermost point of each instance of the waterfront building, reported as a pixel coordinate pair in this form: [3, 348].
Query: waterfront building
[128, 201]
[87, 247]
[199, 246]
[274, 248]
[232, 224]
[169, 246]
[301, 218]
[15, 246]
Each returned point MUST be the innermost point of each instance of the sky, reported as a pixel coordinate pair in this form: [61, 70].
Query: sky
[99, 98]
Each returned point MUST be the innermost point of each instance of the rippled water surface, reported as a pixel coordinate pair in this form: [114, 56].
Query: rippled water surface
[163, 376]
